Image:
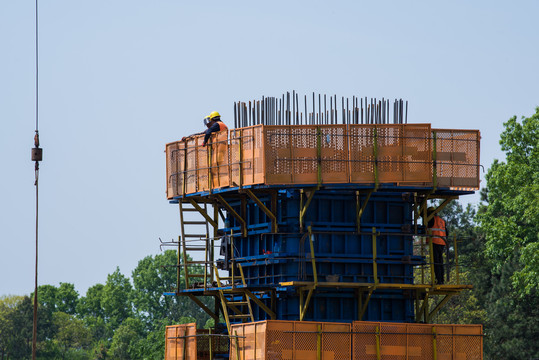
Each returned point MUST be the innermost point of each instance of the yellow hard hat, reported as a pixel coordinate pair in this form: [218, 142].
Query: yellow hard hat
[431, 209]
[214, 115]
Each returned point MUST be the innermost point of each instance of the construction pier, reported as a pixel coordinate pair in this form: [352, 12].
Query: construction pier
[307, 228]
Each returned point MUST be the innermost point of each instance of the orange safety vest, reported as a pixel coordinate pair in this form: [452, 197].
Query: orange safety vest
[438, 231]
[222, 126]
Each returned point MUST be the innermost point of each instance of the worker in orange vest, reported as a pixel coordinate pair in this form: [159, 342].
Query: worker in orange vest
[439, 233]
[213, 123]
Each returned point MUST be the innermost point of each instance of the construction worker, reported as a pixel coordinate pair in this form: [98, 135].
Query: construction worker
[438, 233]
[214, 124]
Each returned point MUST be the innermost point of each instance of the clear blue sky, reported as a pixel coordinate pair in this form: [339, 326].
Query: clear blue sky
[119, 79]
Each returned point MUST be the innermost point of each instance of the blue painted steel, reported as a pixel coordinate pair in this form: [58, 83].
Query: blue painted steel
[270, 259]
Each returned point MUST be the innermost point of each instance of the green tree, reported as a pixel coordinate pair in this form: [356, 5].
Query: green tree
[90, 309]
[63, 298]
[21, 320]
[155, 275]
[72, 337]
[8, 306]
[116, 301]
[509, 219]
[126, 340]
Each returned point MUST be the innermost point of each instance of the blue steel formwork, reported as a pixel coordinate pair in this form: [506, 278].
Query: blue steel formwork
[341, 254]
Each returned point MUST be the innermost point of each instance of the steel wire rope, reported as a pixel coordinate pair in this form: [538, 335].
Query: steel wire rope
[35, 156]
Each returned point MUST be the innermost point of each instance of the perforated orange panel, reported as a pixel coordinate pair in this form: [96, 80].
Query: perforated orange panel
[275, 339]
[399, 341]
[174, 157]
[181, 344]
[401, 154]
[457, 155]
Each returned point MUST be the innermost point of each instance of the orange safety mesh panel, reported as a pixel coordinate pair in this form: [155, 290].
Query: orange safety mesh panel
[251, 341]
[275, 339]
[417, 154]
[250, 161]
[402, 153]
[175, 164]
[181, 342]
[364, 340]
[361, 153]
[400, 341]
[457, 158]
[397, 153]
[278, 154]
[334, 152]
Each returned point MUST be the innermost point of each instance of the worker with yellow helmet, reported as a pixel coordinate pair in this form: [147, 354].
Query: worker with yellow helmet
[213, 123]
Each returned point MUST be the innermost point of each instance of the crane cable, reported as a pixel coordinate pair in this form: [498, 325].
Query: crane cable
[37, 156]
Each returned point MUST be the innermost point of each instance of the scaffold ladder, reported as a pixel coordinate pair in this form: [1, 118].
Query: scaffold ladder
[234, 299]
[198, 241]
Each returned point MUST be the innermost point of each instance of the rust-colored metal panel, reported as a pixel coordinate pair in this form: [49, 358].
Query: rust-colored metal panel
[362, 160]
[279, 339]
[278, 155]
[401, 341]
[388, 153]
[457, 157]
[335, 154]
[181, 342]
[251, 159]
[175, 164]
[417, 154]
[251, 341]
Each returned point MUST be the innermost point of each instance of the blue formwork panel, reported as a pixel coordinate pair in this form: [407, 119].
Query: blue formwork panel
[334, 305]
[341, 253]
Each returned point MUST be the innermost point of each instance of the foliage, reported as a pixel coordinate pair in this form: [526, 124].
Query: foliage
[114, 320]
[510, 217]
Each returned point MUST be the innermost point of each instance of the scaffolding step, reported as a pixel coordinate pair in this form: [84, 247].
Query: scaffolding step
[191, 248]
[242, 316]
[203, 236]
[197, 262]
[194, 223]
[234, 303]
[198, 275]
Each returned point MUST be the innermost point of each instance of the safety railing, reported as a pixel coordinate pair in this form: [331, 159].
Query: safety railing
[404, 154]
[360, 340]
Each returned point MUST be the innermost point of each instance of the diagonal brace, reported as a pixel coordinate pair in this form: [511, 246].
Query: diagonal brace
[264, 209]
[203, 213]
[233, 213]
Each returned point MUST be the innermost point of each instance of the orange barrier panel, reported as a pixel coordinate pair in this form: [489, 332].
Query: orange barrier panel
[181, 342]
[300, 340]
[401, 154]
[457, 155]
[249, 161]
[401, 341]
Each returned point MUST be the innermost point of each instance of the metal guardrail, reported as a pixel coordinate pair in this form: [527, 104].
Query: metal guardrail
[403, 154]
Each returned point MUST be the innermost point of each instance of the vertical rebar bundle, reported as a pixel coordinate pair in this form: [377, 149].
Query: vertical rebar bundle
[285, 110]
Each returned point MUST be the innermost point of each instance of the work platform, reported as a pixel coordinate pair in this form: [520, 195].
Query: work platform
[401, 155]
